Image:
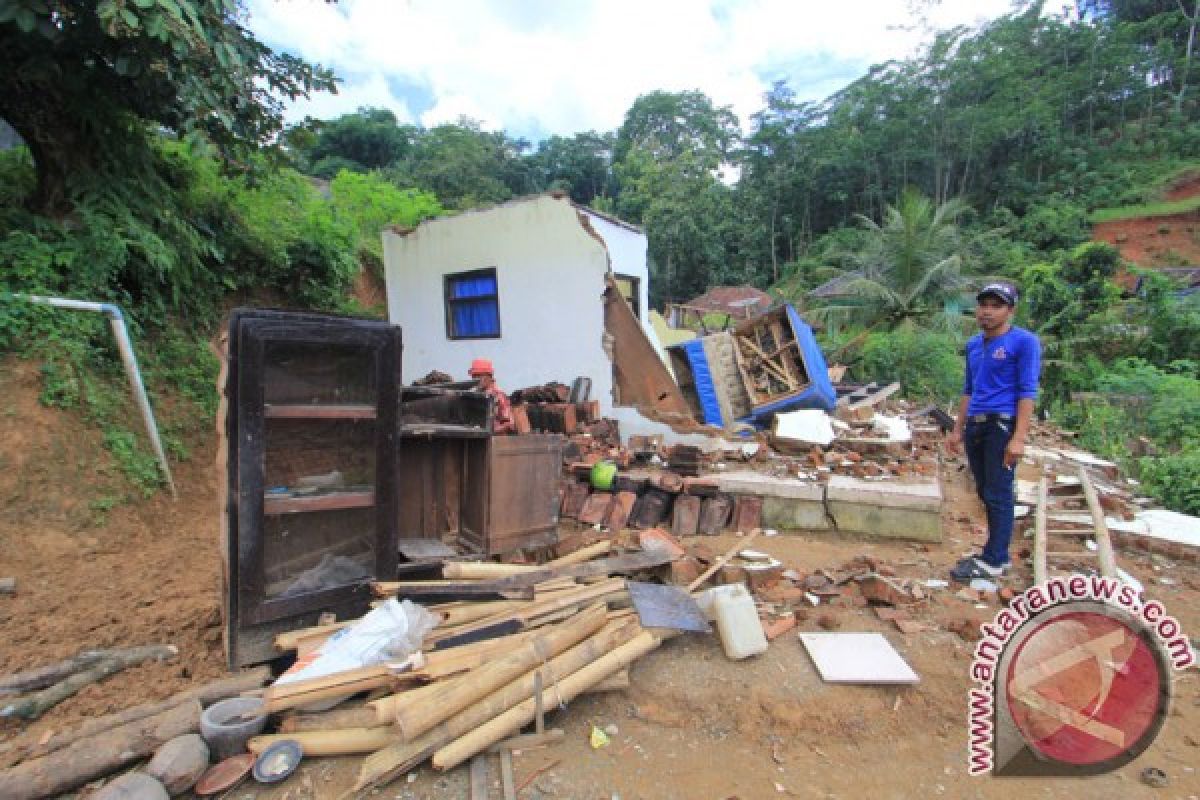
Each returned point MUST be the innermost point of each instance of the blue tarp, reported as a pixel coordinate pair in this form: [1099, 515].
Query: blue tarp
[706, 392]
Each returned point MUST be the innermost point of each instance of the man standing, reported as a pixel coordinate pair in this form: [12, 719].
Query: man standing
[999, 392]
[485, 375]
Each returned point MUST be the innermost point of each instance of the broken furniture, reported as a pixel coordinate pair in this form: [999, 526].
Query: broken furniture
[767, 364]
[459, 484]
[310, 507]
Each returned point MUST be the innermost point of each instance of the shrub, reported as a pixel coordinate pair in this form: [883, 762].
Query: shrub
[1174, 479]
[928, 364]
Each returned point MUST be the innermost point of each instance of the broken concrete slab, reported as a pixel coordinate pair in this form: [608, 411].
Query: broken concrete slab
[787, 503]
[799, 430]
[896, 510]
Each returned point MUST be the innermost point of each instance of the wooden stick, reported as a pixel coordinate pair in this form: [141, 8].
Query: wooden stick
[285, 642]
[479, 778]
[564, 691]
[41, 677]
[207, 694]
[581, 555]
[96, 756]
[1039, 534]
[282, 696]
[724, 559]
[1108, 563]
[445, 700]
[506, 775]
[529, 741]
[351, 741]
[34, 705]
[392, 762]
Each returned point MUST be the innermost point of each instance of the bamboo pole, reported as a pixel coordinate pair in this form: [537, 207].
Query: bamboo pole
[564, 691]
[581, 555]
[282, 696]
[335, 720]
[486, 570]
[473, 612]
[289, 640]
[447, 699]
[393, 761]
[350, 741]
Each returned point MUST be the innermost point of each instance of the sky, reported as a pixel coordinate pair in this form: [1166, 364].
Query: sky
[540, 67]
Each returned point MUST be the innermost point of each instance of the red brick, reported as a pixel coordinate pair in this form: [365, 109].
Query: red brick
[595, 509]
[658, 539]
[686, 518]
[779, 627]
[747, 513]
[618, 511]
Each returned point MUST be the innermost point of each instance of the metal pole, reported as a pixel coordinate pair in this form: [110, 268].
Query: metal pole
[116, 321]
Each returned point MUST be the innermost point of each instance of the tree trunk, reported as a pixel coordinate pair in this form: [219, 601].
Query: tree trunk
[56, 140]
[1187, 57]
[95, 757]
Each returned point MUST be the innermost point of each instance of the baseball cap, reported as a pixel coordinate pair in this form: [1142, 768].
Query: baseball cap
[1005, 291]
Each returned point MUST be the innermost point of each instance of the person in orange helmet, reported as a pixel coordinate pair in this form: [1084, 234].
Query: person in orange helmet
[485, 375]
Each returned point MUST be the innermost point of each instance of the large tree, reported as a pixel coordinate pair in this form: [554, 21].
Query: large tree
[81, 81]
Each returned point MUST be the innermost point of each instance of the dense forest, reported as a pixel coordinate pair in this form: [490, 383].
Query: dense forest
[155, 170]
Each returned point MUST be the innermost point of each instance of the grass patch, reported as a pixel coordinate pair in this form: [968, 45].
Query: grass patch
[1161, 209]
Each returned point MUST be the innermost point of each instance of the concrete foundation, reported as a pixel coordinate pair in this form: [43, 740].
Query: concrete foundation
[788, 503]
[884, 508]
[873, 508]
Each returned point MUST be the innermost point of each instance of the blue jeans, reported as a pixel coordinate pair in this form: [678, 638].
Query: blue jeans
[984, 443]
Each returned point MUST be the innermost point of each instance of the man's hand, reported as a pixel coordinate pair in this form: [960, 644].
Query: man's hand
[954, 442]
[1014, 451]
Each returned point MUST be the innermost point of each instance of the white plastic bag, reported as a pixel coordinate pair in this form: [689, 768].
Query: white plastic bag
[391, 632]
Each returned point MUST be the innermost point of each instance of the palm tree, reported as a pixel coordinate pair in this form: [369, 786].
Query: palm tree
[909, 268]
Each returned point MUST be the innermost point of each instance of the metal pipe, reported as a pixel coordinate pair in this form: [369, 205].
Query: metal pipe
[116, 321]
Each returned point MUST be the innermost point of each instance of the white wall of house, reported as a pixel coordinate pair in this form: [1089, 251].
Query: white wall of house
[550, 275]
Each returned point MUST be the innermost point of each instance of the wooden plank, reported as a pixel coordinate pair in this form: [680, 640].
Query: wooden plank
[506, 775]
[722, 561]
[1039, 534]
[874, 398]
[479, 777]
[603, 566]
[296, 411]
[334, 501]
[1108, 563]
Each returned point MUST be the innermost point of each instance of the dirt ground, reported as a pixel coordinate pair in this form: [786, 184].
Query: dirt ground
[693, 725]
[1168, 241]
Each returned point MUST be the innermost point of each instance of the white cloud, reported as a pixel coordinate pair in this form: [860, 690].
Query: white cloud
[561, 67]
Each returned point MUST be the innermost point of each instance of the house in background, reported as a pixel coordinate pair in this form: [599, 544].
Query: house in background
[546, 289]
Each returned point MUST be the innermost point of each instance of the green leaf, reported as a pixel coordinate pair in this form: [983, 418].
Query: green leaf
[26, 20]
[144, 3]
[131, 19]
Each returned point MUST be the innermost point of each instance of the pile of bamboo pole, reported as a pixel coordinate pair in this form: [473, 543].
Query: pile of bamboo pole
[485, 671]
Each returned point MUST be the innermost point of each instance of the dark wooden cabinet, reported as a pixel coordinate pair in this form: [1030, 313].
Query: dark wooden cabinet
[311, 513]
[330, 462]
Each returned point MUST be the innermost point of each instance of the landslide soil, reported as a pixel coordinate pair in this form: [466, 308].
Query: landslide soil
[1165, 241]
[693, 724]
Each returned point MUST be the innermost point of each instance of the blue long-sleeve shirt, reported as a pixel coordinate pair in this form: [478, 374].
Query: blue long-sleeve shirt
[1001, 371]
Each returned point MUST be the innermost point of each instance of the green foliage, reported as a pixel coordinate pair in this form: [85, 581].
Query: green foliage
[912, 266]
[1160, 209]
[1142, 400]
[80, 79]
[928, 365]
[1054, 224]
[1174, 479]
[369, 203]
[134, 461]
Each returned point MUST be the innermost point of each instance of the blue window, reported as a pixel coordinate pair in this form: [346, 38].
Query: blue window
[472, 305]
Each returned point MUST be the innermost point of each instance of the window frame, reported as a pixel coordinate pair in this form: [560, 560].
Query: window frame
[448, 281]
[636, 283]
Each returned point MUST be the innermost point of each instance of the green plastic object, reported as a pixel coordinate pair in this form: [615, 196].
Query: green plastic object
[603, 473]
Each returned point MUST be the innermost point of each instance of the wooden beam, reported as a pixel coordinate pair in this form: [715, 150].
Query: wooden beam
[1104, 550]
[1039, 533]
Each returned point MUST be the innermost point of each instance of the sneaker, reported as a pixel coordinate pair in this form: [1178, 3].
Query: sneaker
[975, 567]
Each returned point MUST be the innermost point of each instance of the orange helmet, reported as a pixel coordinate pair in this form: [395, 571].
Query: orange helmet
[481, 366]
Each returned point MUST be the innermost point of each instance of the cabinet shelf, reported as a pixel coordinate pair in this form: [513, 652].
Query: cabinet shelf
[303, 411]
[334, 501]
